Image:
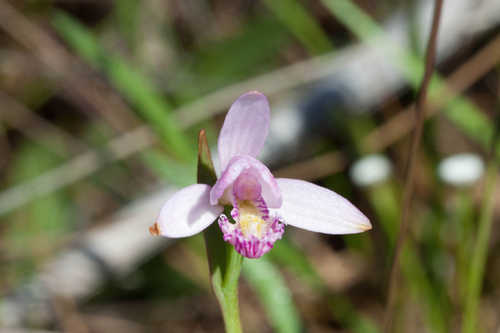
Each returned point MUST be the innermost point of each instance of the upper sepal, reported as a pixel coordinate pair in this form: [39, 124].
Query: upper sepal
[245, 127]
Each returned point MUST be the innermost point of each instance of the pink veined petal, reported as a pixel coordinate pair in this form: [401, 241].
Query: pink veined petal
[188, 212]
[247, 186]
[238, 164]
[315, 208]
[245, 127]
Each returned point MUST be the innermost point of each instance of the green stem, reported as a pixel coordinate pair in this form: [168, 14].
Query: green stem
[476, 269]
[224, 262]
[464, 220]
[227, 293]
[225, 267]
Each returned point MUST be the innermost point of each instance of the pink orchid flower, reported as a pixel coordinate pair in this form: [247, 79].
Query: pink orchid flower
[262, 205]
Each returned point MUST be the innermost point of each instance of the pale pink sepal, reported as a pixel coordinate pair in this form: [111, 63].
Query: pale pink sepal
[248, 165]
[188, 212]
[311, 207]
[245, 127]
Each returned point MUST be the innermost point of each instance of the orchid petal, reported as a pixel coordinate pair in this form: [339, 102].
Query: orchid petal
[315, 208]
[188, 212]
[245, 127]
[239, 164]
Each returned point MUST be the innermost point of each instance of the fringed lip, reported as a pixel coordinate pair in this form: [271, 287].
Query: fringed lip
[251, 246]
[244, 179]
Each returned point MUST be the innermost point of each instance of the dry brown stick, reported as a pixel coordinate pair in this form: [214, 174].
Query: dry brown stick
[68, 316]
[396, 128]
[125, 145]
[77, 82]
[53, 138]
[75, 169]
[410, 174]
[315, 168]
[72, 76]
[459, 81]
[4, 146]
[17, 116]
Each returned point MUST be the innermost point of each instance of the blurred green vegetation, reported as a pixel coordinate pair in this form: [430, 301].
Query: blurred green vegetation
[197, 49]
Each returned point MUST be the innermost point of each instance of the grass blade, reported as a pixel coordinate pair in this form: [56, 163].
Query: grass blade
[464, 114]
[276, 298]
[132, 84]
[302, 24]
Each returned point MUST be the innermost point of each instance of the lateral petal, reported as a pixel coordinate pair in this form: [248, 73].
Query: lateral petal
[315, 208]
[188, 212]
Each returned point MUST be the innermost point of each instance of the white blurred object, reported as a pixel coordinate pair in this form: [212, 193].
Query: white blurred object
[369, 73]
[461, 169]
[285, 128]
[112, 250]
[364, 73]
[370, 170]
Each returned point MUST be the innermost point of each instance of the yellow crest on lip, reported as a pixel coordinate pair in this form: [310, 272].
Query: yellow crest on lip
[250, 220]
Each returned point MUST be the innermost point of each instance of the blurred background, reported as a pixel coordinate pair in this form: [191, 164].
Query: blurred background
[100, 106]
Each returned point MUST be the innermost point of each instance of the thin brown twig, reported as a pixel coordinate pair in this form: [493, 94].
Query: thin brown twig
[77, 82]
[93, 93]
[125, 145]
[89, 91]
[68, 315]
[315, 168]
[75, 169]
[43, 132]
[459, 81]
[378, 139]
[411, 166]
[4, 146]
[17, 116]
